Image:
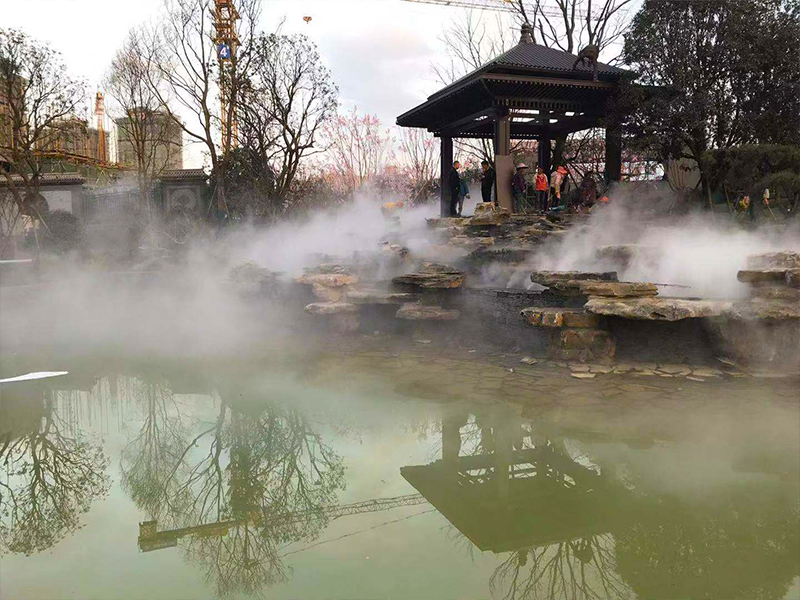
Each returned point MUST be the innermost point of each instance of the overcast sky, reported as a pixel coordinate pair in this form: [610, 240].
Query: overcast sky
[379, 51]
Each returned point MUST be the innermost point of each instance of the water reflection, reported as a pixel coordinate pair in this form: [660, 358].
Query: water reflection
[569, 525]
[51, 474]
[227, 474]
[250, 481]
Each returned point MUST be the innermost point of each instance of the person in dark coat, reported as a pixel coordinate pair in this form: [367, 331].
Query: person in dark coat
[487, 181]
[454, 184]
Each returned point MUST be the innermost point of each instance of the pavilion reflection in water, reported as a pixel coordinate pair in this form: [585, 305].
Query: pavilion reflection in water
[513, 489]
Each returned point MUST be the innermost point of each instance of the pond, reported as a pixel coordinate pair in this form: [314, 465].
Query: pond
[383, 473]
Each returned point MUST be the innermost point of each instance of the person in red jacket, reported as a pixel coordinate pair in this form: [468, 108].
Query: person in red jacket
[541, 189]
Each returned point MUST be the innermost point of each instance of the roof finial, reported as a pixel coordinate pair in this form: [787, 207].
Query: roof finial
[527, 33]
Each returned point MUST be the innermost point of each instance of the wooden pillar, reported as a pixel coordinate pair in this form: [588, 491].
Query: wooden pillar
[503, 161]
[613, 155]
[447, 164]
[545, 154]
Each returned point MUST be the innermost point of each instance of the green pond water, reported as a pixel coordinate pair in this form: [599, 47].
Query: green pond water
[393, 475]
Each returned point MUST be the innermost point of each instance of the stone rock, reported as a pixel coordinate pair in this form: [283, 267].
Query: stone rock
[774, 260]
[670, 369]
[413, 311]
[330, 308]
[706, 372]
[792, 278]
[759, 275]
[546, 278]
[568, 283]
[776, 292]
[657, 309]
[394, 251]
[761, 308]
[327, 279]
[328, 294]
[600, 368]
[583, 375]
[529, 360]
[498, 216]
[482, 207]
[617, 289]
[249, 278]
[582, 344]
[432, 275]
[559, 317]
[380, 297]
[327, 269]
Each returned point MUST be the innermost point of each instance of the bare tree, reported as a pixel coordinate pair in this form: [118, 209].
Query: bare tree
[420, 153]
[469, 44]
[147, 130]
[358, 149]
[186, 69]
[288, 97]
[37, 97]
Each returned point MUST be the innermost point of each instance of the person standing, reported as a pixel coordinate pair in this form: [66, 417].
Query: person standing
[487, 181]
[463, 193]
[519, 186]
[541, 189]
[454, 185]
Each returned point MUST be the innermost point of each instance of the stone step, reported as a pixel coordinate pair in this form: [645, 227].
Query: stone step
[618, 289]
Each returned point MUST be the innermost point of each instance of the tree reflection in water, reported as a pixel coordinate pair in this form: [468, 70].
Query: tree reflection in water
[51, 475]
[258, 470]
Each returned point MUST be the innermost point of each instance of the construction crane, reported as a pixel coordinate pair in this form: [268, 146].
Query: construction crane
[509, 6]
[227, 42]
[151, 539]
[100, 115]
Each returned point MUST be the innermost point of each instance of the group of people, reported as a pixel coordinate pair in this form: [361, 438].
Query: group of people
[460, 190]
[549, 190]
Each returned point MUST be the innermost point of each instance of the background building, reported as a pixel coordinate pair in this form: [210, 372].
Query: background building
[162, 133]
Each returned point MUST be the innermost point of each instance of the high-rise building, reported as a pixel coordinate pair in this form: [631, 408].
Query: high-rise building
[159, 134]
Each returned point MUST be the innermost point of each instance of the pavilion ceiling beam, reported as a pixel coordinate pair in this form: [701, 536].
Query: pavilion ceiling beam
[471, 121]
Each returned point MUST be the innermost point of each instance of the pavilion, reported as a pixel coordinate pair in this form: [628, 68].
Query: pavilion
[528, 92]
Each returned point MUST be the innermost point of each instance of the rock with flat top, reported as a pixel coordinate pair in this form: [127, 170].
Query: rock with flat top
[616, 289]
[656, 309]
[761, 275]
[414, 311]
[432, 275]
[327, 279]
[559, 317]
[330, 308]
[568, 283]
[497, 216]
[774, 260]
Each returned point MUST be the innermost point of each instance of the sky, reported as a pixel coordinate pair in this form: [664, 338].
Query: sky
[379, 51]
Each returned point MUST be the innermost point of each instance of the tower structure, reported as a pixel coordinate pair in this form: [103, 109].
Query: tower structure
[100, 115]
[227, 42]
